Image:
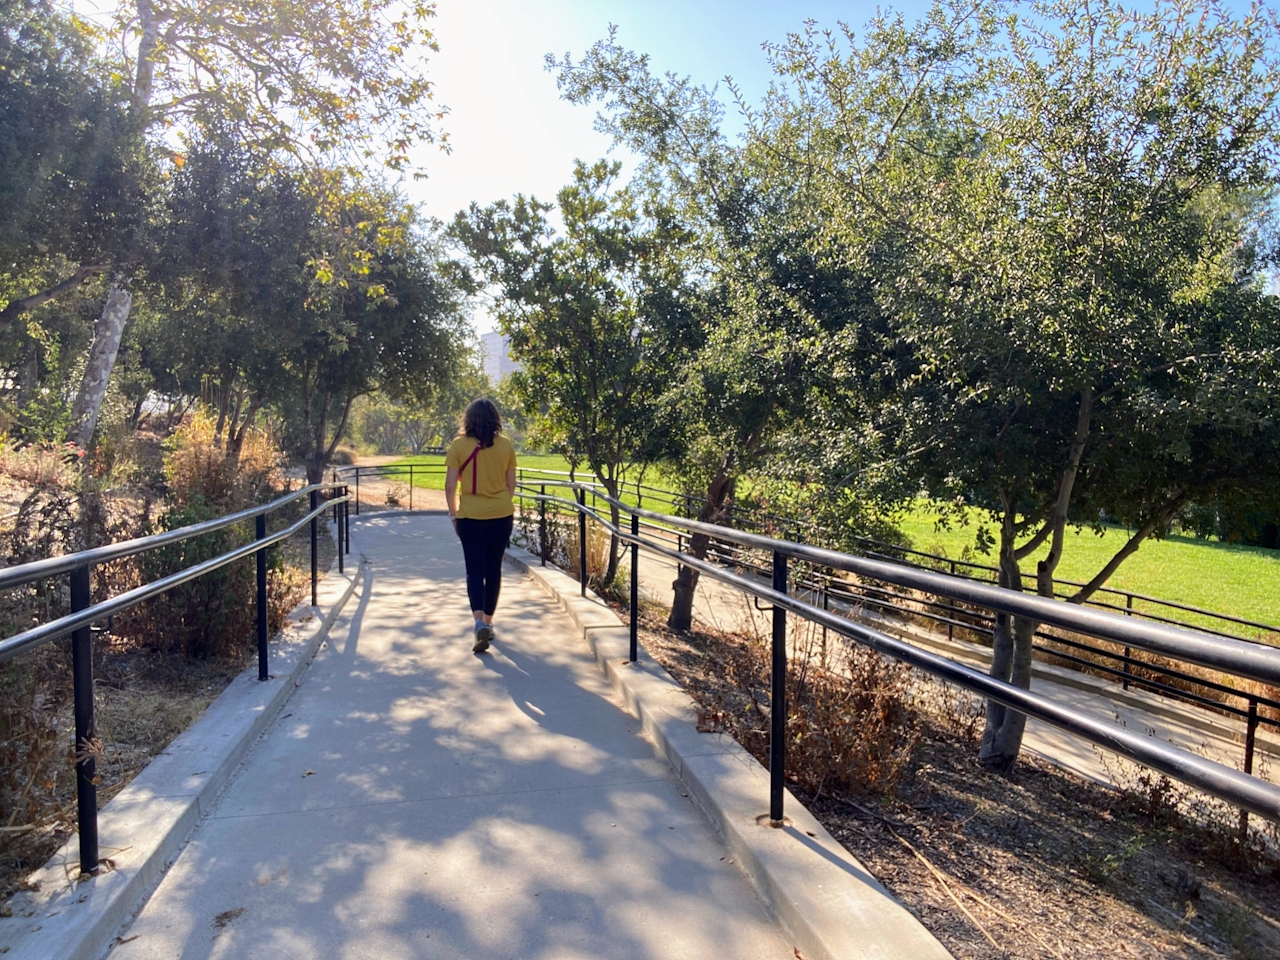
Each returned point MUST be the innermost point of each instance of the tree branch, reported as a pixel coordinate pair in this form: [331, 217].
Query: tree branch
[1061, 507]
[1158, 517]
[16, 308]
[1030, 547]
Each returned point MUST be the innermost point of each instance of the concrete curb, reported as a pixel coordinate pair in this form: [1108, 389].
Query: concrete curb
[827, 901]
[146, 825]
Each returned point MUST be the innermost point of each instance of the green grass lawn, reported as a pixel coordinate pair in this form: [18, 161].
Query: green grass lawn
[1224, 577]
[431, 476]
[1227, 578]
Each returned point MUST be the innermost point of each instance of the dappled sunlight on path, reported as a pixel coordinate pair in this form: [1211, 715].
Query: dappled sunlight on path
[417, 800]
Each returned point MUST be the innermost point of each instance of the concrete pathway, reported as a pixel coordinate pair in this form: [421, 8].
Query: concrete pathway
[416, 800]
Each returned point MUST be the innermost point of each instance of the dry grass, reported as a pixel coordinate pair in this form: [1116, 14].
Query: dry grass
[143, 700]
[145, 695]
[1038, 865]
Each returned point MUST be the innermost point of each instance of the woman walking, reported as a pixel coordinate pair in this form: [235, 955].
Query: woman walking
[484, 462]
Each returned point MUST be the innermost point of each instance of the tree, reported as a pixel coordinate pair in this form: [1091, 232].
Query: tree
[385, 318]
[411, 428]
[1059, 208]
[298, 290]
[233, 265]
[588, 313]
[74, 175]
[311, 81]
[759, 307]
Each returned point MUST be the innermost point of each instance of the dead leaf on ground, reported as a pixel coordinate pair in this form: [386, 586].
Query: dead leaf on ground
[226, 916]
[307, 773]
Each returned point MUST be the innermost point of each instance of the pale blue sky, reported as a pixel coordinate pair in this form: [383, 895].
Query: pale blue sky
[509, 129]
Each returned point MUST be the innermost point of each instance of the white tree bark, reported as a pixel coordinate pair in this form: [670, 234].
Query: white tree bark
[102, 357]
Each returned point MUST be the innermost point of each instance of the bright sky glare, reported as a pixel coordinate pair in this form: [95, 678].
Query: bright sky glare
[508, 127]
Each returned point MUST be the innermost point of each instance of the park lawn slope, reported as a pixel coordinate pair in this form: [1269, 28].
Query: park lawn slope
[1227, 578]
[431, 476]
[431, 466]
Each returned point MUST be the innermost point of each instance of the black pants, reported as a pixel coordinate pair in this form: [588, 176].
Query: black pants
[483, 543]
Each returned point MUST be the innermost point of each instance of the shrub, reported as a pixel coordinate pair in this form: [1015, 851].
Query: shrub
[36, 759]
[851, 724]
[197, 469]
[207, 617]
[213, 616]
[40, 464]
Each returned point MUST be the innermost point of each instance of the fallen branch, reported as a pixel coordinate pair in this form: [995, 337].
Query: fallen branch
[942, 881]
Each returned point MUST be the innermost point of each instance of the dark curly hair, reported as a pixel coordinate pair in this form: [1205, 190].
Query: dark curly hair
[480, 420]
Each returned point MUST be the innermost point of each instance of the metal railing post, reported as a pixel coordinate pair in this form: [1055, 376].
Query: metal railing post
[346, 518]
[260, 530]
[357, 491]
[1128, 612]
[635, 585]
[339, 534]
[1250, 739]
[951, 627]
[826, 605]
[778, 695]
[315, 573]
[582, 542]
[542, 524]
[86, 728]
[411, 488]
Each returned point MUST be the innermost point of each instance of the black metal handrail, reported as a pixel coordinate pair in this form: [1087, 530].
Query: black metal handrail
[1245, 791]
[24, 573]
[825, 584]
[944, 612]
[870, 594]
[84, 613]
[350, 475]
[899, 553]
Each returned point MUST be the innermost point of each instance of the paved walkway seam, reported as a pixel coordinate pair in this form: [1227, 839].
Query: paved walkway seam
[145, 826]
[827, 901]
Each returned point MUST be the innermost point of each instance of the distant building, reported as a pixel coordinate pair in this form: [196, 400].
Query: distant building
[497, 358]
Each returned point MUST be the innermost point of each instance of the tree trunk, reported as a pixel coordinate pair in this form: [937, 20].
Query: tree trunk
[686, 582]
[323, 449]
[102, 357]
[224, 406]
[615, 517]
[29, 375]
[1002, 738]
[236, 436]
[148, 35]
[136, 419]
[234, 421]
[1014, 636]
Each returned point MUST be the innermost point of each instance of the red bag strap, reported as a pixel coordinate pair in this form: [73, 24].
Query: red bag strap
[474, 469]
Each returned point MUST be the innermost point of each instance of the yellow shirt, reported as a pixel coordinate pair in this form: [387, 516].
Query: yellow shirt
[486, 474]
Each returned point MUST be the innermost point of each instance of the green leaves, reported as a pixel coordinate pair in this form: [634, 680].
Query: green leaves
[334, 81]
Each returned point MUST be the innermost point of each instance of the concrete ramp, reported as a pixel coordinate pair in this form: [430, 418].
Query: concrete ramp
[416, 800]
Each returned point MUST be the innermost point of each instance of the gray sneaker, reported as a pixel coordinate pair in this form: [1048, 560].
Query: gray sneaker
[483, 636]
